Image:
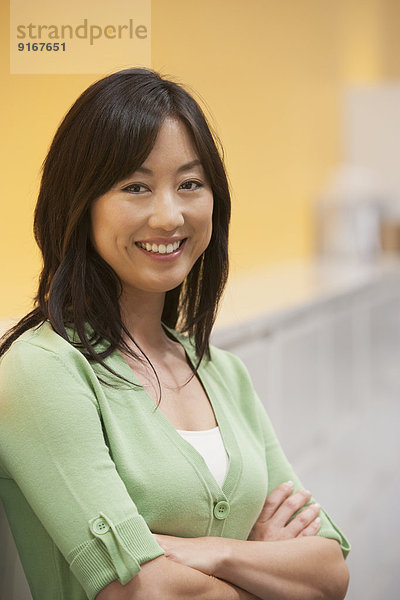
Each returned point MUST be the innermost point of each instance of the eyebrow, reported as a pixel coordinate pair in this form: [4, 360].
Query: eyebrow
[186, 167]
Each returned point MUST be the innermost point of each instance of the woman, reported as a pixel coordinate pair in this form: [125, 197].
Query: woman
[109, 386]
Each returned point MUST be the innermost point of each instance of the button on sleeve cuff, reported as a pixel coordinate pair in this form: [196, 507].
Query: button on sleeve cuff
[114, 552]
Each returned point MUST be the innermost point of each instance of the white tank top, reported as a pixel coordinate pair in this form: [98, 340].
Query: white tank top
[208, 442]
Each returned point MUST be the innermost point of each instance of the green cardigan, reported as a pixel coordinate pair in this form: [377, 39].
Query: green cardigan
[88, 470]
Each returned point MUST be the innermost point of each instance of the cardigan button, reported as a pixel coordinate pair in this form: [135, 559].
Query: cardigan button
[99, 526]
[221, 509]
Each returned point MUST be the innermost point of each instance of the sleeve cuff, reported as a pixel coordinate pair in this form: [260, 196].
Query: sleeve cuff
[115, 552]
[329, 530]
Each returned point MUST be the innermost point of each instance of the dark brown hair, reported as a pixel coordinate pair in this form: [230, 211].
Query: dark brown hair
[107, 133]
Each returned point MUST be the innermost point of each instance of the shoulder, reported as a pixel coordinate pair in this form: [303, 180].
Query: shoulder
[219, 358]
[230, 369]
[222, 363]
[37, 342]
[228, 360]
[41, 352]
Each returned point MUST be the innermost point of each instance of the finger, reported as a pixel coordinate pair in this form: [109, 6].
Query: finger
[275, 499]
[312, 529]
[303, 520]
[290, 506]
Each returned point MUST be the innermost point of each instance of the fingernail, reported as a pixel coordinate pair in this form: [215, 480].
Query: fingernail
[289, 484]
[318, 520]
[316, 505]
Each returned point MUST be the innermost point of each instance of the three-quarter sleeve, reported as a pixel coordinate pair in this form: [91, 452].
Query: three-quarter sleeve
[280, 470]
[52, 445]
[278, 466]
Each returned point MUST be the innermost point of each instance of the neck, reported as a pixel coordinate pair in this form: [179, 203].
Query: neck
[141, 314]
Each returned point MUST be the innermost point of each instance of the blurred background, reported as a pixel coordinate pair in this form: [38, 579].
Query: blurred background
[305, 97]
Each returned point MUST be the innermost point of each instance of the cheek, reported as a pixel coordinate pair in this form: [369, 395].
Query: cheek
[205, 220]
[100, 234]
[106, 240]
[109, 228]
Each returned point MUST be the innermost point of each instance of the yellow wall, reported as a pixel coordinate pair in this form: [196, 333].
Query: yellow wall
[271, 73]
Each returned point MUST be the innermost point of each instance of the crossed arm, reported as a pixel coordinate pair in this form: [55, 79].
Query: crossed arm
[282, 559]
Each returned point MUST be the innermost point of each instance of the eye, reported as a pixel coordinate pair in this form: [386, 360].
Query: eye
[133, 188]
[198, 185]
[191, 186]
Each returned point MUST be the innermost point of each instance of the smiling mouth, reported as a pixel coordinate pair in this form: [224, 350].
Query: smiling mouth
[160, 248]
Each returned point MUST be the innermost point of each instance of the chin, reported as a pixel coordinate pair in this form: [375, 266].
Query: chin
[156, 287]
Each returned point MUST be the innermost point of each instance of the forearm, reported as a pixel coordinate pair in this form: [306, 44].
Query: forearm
[162, 579]
[304, 568]
[191, 583]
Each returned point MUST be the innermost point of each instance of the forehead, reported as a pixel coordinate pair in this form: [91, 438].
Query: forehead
[185, 167]
[173, 151]
[173, 140]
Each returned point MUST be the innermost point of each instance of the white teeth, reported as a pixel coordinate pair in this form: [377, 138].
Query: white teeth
[161, 248]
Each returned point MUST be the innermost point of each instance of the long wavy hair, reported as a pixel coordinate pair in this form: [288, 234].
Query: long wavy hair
[104, 137]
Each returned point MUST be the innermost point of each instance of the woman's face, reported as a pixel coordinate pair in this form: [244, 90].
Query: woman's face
[153, 226]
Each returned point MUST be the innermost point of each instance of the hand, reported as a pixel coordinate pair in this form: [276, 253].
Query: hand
[280, 506]
[201, 553]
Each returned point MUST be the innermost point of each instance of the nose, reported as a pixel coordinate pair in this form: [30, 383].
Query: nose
[166, 212]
